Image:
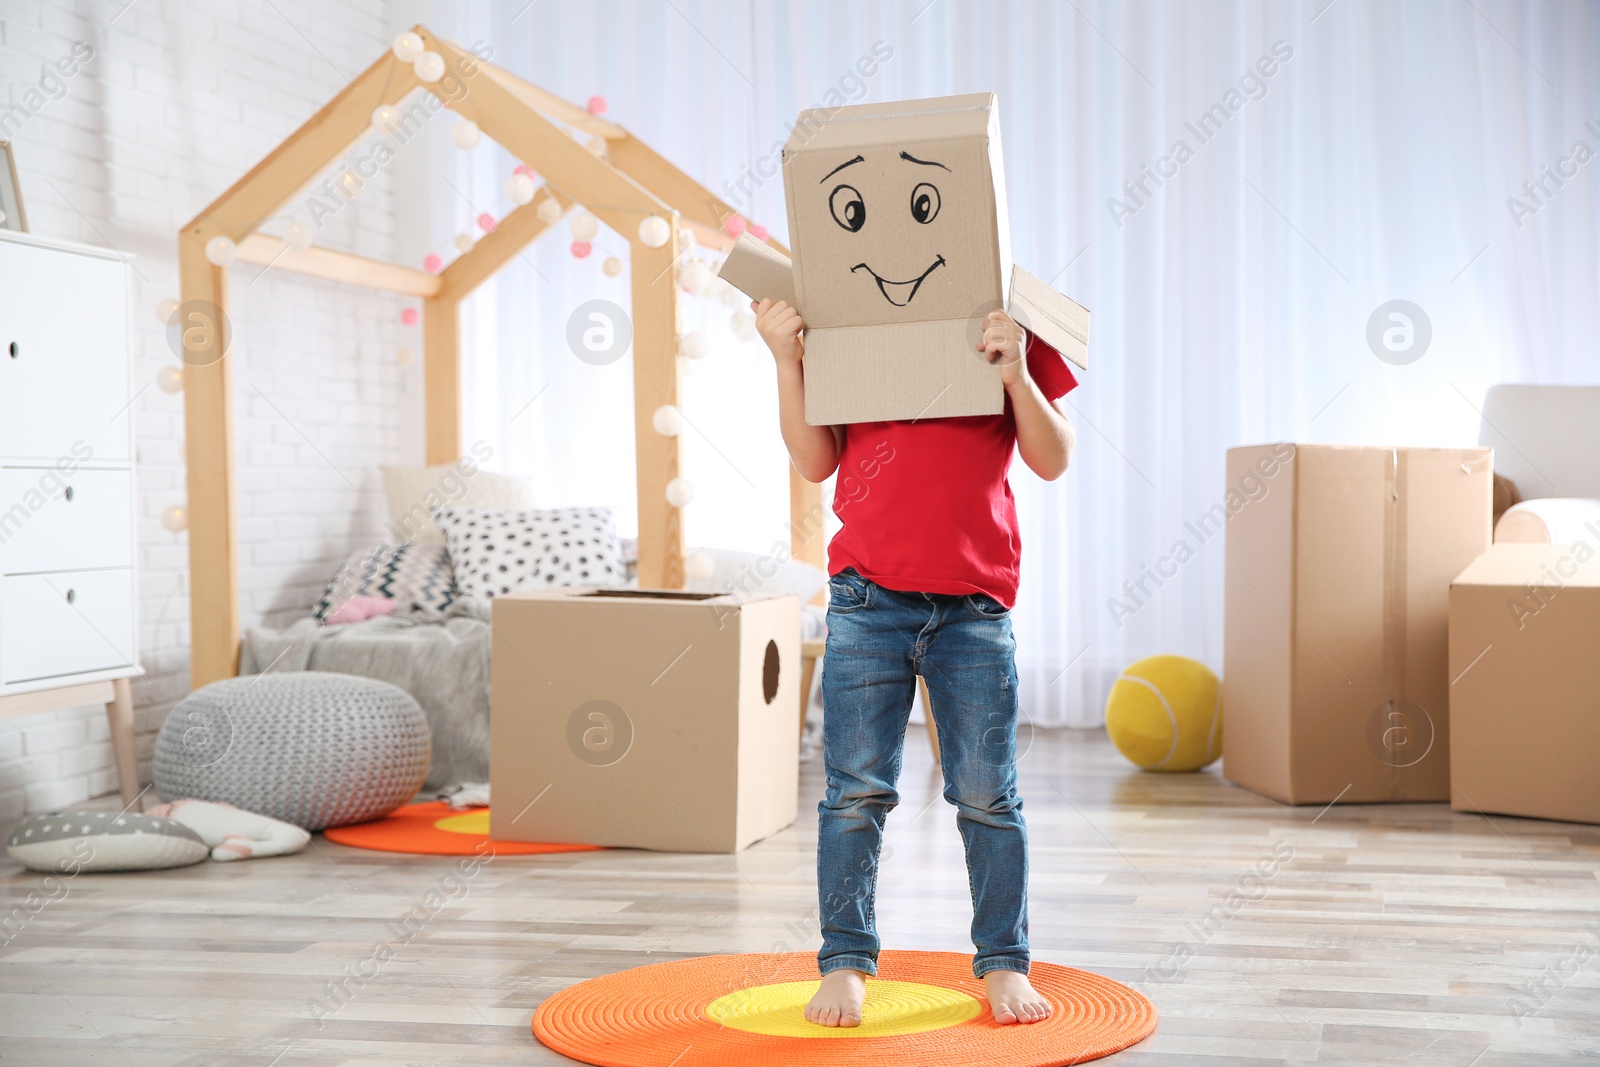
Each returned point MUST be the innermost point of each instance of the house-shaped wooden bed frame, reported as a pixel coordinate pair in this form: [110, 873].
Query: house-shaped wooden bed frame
[621, 188]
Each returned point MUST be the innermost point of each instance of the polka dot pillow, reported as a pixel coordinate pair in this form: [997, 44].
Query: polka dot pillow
[499, 552]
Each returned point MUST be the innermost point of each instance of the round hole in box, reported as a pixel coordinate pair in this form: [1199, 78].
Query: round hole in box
[769, 672]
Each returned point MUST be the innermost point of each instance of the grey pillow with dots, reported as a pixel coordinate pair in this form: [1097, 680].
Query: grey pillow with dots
[74, 842]
[498, 552]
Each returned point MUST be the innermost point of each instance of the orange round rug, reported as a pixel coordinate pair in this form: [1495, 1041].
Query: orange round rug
[435, 828]
[925, 1009]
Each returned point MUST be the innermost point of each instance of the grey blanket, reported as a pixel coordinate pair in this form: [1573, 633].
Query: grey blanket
[441, 660]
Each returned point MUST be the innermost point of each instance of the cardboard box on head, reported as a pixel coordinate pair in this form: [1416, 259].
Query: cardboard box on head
[897, 217]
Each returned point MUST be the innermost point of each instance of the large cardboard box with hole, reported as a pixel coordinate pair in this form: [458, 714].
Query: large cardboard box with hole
[1339, 563]
[644, 719]
[1525, 697]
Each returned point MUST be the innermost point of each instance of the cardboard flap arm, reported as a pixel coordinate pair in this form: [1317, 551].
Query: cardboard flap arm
[759, 271]
[1059, 321]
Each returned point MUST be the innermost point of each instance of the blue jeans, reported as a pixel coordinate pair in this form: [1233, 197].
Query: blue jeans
[879, 641]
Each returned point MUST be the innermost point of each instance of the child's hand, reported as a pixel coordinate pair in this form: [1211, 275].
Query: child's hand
[1002, 343]
[779, 326]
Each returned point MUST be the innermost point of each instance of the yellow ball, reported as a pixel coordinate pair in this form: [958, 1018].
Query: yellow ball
[1165, 714]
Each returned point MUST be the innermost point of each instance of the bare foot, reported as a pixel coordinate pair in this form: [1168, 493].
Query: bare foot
[838, 1002]
[1013, 1000]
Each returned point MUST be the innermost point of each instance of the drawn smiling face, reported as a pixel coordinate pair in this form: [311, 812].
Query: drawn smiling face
[850, 211]
[895, 212]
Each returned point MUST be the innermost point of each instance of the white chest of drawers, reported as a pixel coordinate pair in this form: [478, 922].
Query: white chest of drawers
[68, 605]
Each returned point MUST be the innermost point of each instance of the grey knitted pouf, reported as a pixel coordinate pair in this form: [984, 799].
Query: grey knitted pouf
[314, 749]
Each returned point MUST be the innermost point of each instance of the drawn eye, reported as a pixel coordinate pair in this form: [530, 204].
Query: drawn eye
[924, 203]
[849, 210]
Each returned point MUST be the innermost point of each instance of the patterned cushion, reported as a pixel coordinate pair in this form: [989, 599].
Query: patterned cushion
[417, 575]
[311, 748]
[78, 841]
[499, 552]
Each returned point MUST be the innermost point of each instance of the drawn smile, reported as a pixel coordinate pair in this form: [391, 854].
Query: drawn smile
[899, 293]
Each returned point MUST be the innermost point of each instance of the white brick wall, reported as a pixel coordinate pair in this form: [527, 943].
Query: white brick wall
[180, 100]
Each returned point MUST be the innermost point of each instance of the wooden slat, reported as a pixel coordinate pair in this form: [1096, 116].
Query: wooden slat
[702, 210]
[441, 379]
[806, 540]
[317, 143]
[548, 103]
[264, 249]
[208, 449]
[658, 459]
[68, 696]
[494, 250]
[609, 195]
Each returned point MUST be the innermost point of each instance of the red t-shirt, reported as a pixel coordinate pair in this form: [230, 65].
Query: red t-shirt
[926, 506]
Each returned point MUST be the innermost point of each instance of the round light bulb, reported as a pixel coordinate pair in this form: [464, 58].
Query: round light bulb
[405, 357]
[698, 566]
[549, 211]
[695, 276]
[686, 241]
[463, 242]
[596, 145]
[298, 236]
[694, 345]
[429, 67]
[170, 379]
[612, 266]
[743, 324]
[583, 227]
[680, 492]
[220, 251]
[383, 116]
[175, 518]
[654, 231]
[730, 297]
[466, 134]
[165, 309]
[520, 189]
[667, 421]
[407, 47]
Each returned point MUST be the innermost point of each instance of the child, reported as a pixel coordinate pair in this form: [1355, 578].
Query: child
[924, 573]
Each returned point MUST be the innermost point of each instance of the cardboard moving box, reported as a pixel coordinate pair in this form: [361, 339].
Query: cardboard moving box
[1525, 695]
[897, 217]
[644, 719]
[1339, 563]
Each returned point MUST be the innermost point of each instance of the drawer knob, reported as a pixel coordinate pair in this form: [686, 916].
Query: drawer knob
[69, 494]
[72, 596]
[16, 350]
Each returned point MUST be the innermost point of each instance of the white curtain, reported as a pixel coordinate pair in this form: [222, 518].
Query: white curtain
[1335, 156]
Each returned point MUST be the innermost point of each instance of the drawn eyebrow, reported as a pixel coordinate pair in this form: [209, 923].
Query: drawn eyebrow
[909, 158]
[840, 167]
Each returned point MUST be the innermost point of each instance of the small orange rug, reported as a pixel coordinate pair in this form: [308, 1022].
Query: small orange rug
[435, 828]
[925, 1009]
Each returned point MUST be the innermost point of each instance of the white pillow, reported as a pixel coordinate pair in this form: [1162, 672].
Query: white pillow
[415, 493]
[748, 574]
[499, 552]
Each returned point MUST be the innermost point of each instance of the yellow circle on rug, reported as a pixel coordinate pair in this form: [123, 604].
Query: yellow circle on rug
[891, 1009]
[470, 822]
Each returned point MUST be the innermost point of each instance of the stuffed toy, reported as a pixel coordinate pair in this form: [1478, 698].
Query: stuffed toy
[233, 833]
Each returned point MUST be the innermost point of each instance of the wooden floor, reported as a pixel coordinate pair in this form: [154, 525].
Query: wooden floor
[1357, 935]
